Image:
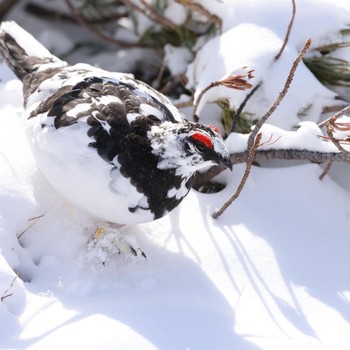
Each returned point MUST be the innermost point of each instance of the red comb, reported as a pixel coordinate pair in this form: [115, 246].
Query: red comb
[216, 129]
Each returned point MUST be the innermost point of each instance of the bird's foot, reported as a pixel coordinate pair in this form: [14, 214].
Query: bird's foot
[107, 242]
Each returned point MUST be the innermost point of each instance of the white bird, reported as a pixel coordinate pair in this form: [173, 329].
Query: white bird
[108, 143]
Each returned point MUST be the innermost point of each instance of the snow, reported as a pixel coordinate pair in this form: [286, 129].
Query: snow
[215, 61]
[308, 136]
[177, 58]
[26, 41]
[270, 273]
[253, 33]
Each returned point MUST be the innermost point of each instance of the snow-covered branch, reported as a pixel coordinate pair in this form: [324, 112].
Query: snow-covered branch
[277, 154]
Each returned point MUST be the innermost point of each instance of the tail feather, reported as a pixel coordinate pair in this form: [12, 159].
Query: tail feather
[21, 51]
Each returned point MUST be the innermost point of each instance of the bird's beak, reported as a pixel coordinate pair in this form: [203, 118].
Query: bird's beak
[226, 162]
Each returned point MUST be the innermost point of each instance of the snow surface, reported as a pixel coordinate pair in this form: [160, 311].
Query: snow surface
[271, 273]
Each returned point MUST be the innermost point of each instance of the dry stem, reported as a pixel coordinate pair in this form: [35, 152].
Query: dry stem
[335, 141]
[244, 178]
[184, 104]
[331, 126]
[335, 116]
[252, 140]
[287, 33]
[237, 82]
[85, 24]
[326, 169]
[277, 154]
[150, 11]
[280, 97]
[157, 17]
[5, 7]
[194, 6]
[242, 105]
[7, 293]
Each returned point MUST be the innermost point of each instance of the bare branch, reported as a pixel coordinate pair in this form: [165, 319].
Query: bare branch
[335, 116]
[242, 105]
[282, 94]
[332, 125]
[335, 141]
[243, 180]
[42, 11]
[6, 6]
[277, 154]
[157, 16]
[184, 104]
[194, 6]
[288, 32]
[255, 136]
[85, 24]
[237, 82]
[150, 11]
[333, 109]
[326, 170]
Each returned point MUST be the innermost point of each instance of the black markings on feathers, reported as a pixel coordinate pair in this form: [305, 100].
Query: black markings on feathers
[113, 137]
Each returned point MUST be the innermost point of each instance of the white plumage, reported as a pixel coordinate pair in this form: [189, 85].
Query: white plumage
[108, 143]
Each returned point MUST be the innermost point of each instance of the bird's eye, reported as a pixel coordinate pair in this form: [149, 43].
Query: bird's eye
[200, 147]
[203, 141]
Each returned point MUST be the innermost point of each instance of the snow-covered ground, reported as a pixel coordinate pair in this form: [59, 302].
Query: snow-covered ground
[271, 273]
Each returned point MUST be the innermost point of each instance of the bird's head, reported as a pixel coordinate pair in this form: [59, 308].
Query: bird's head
[188, 147]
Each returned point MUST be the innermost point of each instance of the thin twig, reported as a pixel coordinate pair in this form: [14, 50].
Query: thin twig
[282, 94]
[332, 109]
[288, 32]
[6, 293]
[243, 180]
[34, 220]
[335, 141]
[194, 6]
[326, 169]
[335, 116]
[252, 143]
[6, 6]
[199, 98]
[43, 11]
[150, 11]
[331, 125]
[242, 105]
[237, 82]
[158, 17]
[85, 24]
[184, 104]
[156, 83]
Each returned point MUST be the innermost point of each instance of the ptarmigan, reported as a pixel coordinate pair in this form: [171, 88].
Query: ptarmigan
[108, 143]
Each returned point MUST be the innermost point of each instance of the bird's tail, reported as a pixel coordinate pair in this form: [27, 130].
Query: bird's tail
[21, 51]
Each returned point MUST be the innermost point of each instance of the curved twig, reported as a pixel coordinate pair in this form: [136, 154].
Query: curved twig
[242, 105]
[336, 142]
[245, 176]
[237, 82]
[255, 136]
[335, 116]
[194, 6]
[6, 6]
[280, 97]
[158, 17]
[326, 169]
[85, 24]
[288, 32]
